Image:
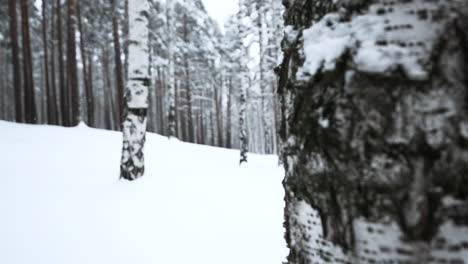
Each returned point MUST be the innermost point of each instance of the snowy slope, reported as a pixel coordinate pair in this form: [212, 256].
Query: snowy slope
[61, 202]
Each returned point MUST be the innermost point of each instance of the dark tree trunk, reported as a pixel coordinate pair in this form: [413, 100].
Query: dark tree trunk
[28, 81]
[63, 90]
[72, 79]
[219, 112]
[87, 81]
[228, 116]
[51, 100]
[375, 147]
[16, 62]
[118, 61]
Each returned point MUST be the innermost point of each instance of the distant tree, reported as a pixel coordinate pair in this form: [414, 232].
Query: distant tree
[118, 61]
[51, 101]
[28, 81]
[72, 74]
[16, 61]
[136, 96]
[63, 91]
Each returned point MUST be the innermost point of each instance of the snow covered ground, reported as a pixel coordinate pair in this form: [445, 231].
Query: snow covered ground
[61, 201]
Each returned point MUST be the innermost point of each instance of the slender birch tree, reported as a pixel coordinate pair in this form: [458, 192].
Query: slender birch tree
[244, 143]
[136, 95]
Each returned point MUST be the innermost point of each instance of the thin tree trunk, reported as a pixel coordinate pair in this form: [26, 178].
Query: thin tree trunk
[118, 61]
[228, 113]
[171, 77]
[30, 100]
[16, 62]
[219, 111]
[86, 75]
[72, 65]
[51, 106]
[63, 90]
[243, 136]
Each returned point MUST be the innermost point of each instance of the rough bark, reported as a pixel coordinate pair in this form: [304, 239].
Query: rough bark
[375, 147]
[136, 96]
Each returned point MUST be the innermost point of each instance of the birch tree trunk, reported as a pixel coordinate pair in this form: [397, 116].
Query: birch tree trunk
[375, 131]
[243, 137]
[136, 96]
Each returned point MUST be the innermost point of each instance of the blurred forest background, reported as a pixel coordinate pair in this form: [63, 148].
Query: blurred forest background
[65, 61]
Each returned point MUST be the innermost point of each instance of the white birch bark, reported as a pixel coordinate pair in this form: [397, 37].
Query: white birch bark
[243, 137]
[136, 95]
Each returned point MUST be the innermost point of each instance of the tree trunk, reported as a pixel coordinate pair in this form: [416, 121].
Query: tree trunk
[375, 131]
[51, 101]
[171, 75]
[191, 128]
[136, 95]
[16, 62]
[219, 112]
[118, 61]
[228, 115]
[28, 81]
[63, 91]
[262, 81]
[86, 74]
[72, 65]
[243, 136]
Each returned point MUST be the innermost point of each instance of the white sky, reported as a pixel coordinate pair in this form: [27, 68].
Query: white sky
[221, 9]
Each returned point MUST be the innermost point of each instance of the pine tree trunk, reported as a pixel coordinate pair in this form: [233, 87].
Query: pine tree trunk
[118, 61]
[171, 74]
[262, 82]
[72, 65]
[228, 115]
[86, 73]
[28, 81]
[63, 91]
[136, 95]
[51, 101]
[19, 106]
[375, 131]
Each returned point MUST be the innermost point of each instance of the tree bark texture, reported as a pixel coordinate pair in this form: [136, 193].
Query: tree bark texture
[375, 131]
[136, 96]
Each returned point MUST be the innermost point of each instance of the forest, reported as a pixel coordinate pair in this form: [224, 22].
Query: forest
[63, 62]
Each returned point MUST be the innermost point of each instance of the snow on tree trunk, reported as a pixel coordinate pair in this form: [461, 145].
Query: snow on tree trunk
[136, 96]
[375, 131]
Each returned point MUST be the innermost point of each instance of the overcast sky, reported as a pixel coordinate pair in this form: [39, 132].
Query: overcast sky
[221, 9]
